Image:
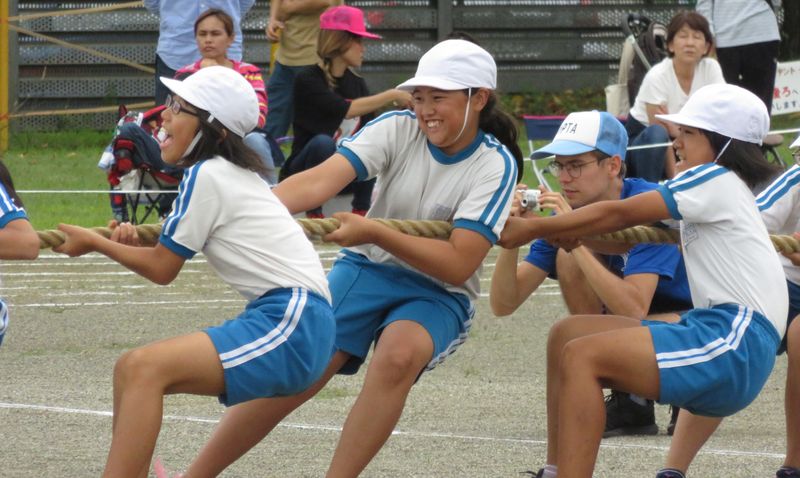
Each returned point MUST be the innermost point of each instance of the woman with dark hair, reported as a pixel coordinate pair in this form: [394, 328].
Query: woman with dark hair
[665, 89]
[714, 361]
[18, 240]
[283, 340]
[331, 101]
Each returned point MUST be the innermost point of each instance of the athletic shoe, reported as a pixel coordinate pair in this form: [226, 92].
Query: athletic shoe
[670, 473]
[673, 419]
[315, 215]
[787, 472]
[534, 474]
[360, 212]
[626, 417]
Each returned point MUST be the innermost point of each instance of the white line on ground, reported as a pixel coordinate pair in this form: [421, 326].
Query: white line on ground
[129, 303]
[412, 434]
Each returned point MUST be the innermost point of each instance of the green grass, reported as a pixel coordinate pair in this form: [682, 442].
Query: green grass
[68, 161]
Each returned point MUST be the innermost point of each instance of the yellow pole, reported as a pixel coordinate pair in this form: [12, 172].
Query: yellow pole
[4, 74]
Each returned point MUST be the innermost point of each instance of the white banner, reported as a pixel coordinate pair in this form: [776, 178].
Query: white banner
[786, 96]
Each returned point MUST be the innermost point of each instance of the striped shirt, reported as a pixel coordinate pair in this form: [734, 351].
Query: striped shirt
[779, 205]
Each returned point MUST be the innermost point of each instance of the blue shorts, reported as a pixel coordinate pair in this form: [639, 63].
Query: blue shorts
[279, 345]
[715, 361]
[794, 310]
[3, 320]
[368, 296]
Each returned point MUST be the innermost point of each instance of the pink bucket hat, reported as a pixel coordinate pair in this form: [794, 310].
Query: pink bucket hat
[349, 19]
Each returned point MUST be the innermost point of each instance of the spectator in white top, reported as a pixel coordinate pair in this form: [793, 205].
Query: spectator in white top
[747, 38]
[665, 89]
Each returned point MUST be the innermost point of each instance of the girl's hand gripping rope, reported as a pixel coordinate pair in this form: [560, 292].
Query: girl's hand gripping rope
[353, 230]
[77, 240]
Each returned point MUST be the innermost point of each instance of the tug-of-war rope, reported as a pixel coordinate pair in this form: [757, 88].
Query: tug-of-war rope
[149, 233]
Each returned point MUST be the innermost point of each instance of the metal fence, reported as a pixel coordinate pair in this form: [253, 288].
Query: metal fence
[540, 45]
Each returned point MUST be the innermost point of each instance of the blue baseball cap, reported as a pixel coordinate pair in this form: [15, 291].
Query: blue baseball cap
[587, 131]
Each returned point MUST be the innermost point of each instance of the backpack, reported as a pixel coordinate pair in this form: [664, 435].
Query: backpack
[650, 48]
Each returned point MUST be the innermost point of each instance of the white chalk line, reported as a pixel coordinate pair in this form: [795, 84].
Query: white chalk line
[410, 434]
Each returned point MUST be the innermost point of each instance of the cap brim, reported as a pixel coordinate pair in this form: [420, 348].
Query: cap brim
[562, 148]
[432, 82]
[684, 120]
[796, 143]
[367, 35]
[177, 87]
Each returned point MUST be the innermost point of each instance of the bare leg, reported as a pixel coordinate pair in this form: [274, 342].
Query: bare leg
[622, 358]
[561, 333]
[691, 433]
[402, 352]
[244, 425]
[578, 294]
[792, 403]
[187, 364]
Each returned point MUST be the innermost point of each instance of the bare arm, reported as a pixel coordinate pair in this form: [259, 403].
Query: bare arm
[368, 104]
[630, 296]
[18, 240]
[597, 218]
[452, 261]
[512, 282]
[652, 111]
[310, 188]
[157, 264]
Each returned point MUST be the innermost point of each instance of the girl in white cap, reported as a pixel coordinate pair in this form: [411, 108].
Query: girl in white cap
[454, 158]
[779, 204]
[716, 359]
[283, 340]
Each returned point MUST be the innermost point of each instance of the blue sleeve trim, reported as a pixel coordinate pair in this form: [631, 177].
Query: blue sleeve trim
[185, 190]
[542, 254]
[696, 177]
[355, 161]
[672, 206]
[12, 216]
[778, 189]
[506, 187]
[478, 227]
[178, 249]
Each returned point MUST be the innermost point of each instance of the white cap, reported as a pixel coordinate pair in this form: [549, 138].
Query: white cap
[796, 143]
[726, 109]
[223, 93]
[454, 65]
[586, 131]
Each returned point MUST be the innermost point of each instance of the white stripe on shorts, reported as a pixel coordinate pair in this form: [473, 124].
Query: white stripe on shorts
[3, 317]
[713, 349]
[274, 338]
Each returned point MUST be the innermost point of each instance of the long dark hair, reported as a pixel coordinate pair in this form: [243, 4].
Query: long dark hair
[5, 178]
[743, 158]
[501, 125]
[217, 141]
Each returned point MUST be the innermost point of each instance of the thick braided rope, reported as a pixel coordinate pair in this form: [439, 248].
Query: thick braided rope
[148, 233]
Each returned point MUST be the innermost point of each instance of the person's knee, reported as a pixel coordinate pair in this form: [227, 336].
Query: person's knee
[322, 144]
[793, 338]
[653, 134]
[575, 355]
[136, 368]
[396, 365]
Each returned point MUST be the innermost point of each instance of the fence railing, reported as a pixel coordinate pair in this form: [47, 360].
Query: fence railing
[541, 45]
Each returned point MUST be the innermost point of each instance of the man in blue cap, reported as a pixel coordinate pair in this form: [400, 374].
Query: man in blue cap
[595, 278]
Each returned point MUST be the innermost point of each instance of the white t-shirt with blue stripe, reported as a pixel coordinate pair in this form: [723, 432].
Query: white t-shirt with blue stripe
[729, 256]
[9, 211]
[779, 204]
[416, 180]
[245, 232]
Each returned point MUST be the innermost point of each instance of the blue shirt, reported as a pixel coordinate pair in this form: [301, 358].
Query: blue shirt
[176, 43]
[665, 260]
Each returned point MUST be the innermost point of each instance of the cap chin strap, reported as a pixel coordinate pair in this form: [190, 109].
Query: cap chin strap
[723, 150]
[192, 145]
[466, 115]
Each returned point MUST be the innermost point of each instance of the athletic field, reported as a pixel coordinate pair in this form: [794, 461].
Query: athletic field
[480, 414]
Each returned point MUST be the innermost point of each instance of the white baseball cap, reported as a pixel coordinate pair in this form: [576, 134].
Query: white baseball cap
[586, 131]
[454, 65]
[726, 109]
[223, 93]
[796, 143]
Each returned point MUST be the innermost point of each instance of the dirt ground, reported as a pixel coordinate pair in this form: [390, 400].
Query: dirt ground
[480, 414]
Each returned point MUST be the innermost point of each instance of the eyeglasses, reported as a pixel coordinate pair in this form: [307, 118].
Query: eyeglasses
[573, 168]
[176, 107]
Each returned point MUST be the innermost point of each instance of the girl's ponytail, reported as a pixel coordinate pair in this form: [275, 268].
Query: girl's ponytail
[501, 125]
[5, 179]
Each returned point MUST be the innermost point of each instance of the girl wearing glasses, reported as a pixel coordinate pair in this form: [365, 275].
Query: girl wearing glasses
[214, 33]
[412, 297]
[283, 340]
[714, 361]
